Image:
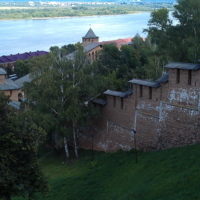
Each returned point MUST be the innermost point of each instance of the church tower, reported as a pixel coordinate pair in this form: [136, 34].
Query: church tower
[89, 38]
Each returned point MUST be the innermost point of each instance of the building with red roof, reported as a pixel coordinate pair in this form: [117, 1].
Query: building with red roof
[92, 45]
[120, 42]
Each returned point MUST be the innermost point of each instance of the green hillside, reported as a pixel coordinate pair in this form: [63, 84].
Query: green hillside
[171, 174]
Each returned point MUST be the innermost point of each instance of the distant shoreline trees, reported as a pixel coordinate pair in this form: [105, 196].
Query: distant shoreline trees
[83, 10]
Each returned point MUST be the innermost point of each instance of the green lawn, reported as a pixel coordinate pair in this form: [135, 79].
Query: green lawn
[172, 174]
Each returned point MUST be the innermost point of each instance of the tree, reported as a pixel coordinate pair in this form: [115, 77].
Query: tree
[56, 50]
[158, 24]
[130, 57]
[155, 67]
[131, 61]
[117, 66]
[187, 13]
[109, 58]
[70, 48]
[8, 68]
[60, 92]
[21, 68]
[178, 42]
[20, 174]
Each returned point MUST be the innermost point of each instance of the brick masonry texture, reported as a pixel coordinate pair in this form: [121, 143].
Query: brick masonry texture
[170, 118]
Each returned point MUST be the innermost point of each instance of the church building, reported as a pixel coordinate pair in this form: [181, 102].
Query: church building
[92, 45]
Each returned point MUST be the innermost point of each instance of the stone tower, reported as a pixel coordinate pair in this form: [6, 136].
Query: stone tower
[89, 38]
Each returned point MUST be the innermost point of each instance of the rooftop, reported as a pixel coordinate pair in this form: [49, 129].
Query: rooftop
[15, 104]
[100, 101]
[179, 65]
[87, 48]
[9, 85]
[153, 84]
[70, 56]
[91, 46]
[90, 34]
[138, 35]
[15, 85]
[2, 71]
[163, 79]
[20, 82]
[118, 93]
[118, 41]
[23, 56]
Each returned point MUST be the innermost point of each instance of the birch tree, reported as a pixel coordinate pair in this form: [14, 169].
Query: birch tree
[59, 92]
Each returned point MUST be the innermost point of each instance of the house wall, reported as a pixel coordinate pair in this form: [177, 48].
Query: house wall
[169, 119]
[2, 79]
[14, 94]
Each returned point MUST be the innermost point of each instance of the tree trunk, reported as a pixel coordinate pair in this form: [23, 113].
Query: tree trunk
[66, 150]
[75, 141]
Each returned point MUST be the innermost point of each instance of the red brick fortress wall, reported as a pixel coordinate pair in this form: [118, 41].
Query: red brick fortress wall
[168, 118]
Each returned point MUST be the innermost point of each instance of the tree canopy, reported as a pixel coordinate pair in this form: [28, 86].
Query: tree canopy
[20, 174]
[137, 60]
[60, 94]
[180, 42]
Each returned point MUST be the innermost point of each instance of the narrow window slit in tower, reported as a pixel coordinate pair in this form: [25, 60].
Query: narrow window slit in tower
[122, 103]
[114, 102]
[178, 76]
[150, 92]
[141, 92]
[189, 77]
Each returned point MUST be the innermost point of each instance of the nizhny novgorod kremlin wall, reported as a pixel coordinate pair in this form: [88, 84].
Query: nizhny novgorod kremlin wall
[151, 115]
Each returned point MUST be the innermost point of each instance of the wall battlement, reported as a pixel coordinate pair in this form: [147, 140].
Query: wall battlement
[164, 114]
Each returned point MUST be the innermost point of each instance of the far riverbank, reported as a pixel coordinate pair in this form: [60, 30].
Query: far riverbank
[66, 17]
[138, 12]
[77, 11]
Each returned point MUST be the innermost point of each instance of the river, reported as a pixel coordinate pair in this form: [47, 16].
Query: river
[19, 36]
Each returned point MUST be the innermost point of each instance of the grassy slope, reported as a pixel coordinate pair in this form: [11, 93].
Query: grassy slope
[171, 174]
